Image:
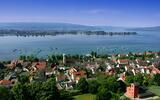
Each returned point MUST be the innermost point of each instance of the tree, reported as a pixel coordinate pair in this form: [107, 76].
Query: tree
[93, 86]
[147, 80]
[102, 67]
[156, 79]
[83, 85]
[22, 57]
[30, 58]
[104, 95]
[23, 79]
[110, 83]
[65, 95]
[115, 96]
[49, 91]
[89, 72]
[4, 93]
[121, 87]
[94, 54]
[129, 79]
[139, 78]
[53, 59]
[2, 73]
[2, 66]
[35, 89]
[21, 92]
[46, 90]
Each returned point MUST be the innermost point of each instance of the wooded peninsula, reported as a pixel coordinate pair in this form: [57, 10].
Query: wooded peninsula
[11, 32]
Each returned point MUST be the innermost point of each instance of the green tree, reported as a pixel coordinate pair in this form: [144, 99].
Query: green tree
[110, 83]
[53, 59]
[2, 73]
[83, 85]
[93, 86]
[23, 79]
[21, 92]
[115, 96]
[139, 78]
[148, 81]
[46, 90]
[156, 79]
[4, 93]
[2, 66]
[94, 54]
[129, 79]
[104, 95]
[31, 58]
[35, 89]
[49, 91]
[22, 57]
[121, 87]
[65, 95]
[89, 72]
[102, 67]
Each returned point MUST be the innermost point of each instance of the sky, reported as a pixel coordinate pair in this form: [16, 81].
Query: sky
[132, 13]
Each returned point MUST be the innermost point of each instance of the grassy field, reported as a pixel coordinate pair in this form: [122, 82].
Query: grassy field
[155, 89]
[85, 97]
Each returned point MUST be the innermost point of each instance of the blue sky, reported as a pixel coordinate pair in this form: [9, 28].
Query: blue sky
[87, 12]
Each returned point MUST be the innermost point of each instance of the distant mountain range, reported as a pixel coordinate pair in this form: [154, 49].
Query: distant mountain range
[156, 28]
[67, 26]
[45, 26]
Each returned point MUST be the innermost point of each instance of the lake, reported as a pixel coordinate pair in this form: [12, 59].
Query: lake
[12, 46]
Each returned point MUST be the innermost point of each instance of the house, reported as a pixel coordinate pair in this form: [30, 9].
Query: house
[61, 78]
[92, 66]
[122, 77]
[69, 85]
[128, 67]
[122, 55]
[134, 91]
[41, 65]
[72, 70]
[77, 75]
[110, 71]
[141, 63]
[123, 61]
[6, 83]
[155, 70]
[14, 63]
[139, 54]
[49, 72]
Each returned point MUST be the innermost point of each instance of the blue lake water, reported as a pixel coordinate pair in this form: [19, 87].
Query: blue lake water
[12, 46]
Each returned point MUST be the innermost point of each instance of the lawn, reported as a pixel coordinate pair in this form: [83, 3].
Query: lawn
[85, 97]
[155, 89]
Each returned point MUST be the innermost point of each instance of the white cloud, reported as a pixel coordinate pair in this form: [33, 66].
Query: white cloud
[103, 11]
[96, 11]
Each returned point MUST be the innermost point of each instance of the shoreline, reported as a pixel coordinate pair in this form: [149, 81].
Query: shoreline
[84, 55]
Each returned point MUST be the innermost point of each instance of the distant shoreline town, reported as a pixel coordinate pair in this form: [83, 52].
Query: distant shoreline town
[13, 32]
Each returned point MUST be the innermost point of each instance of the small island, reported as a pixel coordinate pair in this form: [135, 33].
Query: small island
[13, 32]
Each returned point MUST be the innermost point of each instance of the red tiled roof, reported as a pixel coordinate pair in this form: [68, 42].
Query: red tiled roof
[40, 65]
[80, 73]
[123, 61]
[5, 82]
